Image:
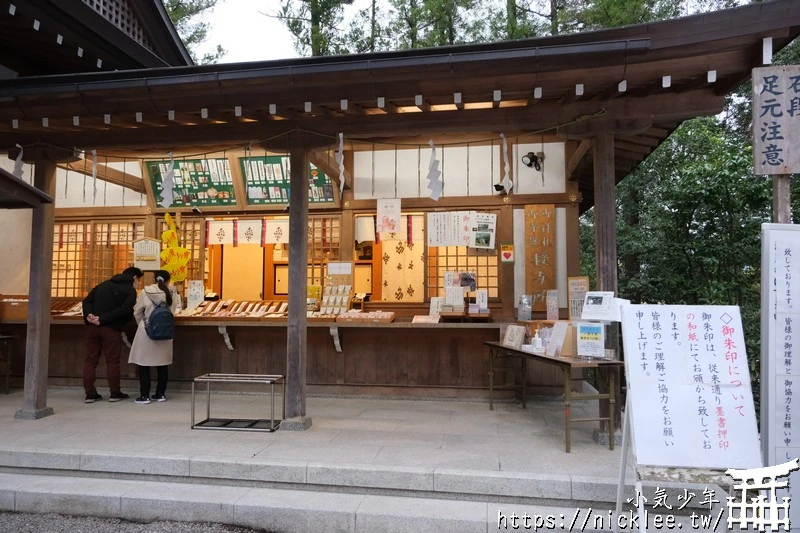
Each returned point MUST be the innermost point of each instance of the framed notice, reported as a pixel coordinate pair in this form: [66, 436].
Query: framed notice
[436, 305]
[599, 305]
[591, 339]
[147, 254]
[515, 336]
[577, 287]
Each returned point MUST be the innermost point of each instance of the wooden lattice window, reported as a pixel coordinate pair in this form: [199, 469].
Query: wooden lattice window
[323, 245]
[483, 263]
[112, 248]
[86, 253]
[70, 260]
[120, 14]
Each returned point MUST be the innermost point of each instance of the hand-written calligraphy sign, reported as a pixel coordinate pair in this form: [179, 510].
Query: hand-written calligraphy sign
[689, 386]
[776, 120]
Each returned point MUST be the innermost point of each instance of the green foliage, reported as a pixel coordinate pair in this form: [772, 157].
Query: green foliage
[596, 14]
[315, 25]
[186, 15]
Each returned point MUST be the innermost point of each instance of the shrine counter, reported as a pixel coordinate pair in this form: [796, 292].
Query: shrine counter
[352, 358]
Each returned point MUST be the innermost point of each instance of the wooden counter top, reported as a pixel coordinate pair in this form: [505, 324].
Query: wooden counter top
[272, 323]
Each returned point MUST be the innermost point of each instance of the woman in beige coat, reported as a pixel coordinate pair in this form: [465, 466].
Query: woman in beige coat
[145, 351]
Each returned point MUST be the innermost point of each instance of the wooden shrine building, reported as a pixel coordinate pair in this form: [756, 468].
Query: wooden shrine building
[608, 98]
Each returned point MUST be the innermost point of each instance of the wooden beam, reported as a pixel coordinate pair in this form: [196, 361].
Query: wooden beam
[641, 140]
[590, 128]
[328, 165]
[659, 107]
[295, 388]
[632, 147]
[37, 342]
[579, 159]
[109, 174]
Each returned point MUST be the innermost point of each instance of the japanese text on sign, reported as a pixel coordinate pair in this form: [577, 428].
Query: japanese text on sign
[776, 120]
[687, 370]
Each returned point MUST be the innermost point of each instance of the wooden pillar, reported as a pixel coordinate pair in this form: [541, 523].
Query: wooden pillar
[605, 210]
[781, 199]
[605, 239]
[295, 390]
[37, 344]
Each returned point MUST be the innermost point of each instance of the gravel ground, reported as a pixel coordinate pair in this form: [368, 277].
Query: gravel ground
[54, 523]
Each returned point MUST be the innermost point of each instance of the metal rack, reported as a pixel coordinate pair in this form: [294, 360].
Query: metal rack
[238, 424]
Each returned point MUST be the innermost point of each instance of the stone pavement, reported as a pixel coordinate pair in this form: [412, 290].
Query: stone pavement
[364, 465]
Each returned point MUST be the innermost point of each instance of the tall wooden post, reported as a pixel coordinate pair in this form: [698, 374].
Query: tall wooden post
[605, 235]
[605, 210]
[295, 391]
[781, 199]
[37, 344]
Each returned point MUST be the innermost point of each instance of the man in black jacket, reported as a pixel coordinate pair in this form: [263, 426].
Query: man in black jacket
[106, 310]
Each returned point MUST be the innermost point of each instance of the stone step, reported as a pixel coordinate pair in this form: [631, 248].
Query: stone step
[462, 484]
[288, 511]
[430, 482]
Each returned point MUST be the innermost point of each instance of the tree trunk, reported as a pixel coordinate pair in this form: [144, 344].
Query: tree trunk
[373, 29]
[316, 35]
[554, 17]
[511, 19]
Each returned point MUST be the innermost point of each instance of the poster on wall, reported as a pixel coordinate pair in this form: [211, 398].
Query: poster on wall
[484, 226]
[437, 229]
[507, 253]
[388, 215]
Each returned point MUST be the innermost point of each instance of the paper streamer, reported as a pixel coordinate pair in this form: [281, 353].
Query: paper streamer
[168, 183]
[434, 185]
[506, 182]
[94, 176]
[340, 161]
[18, 172]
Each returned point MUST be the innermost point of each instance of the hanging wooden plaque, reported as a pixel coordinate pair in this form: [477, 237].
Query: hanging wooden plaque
[540, 252]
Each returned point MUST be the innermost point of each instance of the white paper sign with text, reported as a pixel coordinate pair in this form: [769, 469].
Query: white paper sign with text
[689, 386]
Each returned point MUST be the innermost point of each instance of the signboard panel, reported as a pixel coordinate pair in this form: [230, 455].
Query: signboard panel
[776, 120]
[689, 385]
[780, 349]
[198, 182]
[267, 181]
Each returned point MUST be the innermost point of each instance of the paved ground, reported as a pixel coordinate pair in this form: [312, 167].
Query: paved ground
[418, 433]
[433, 449]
